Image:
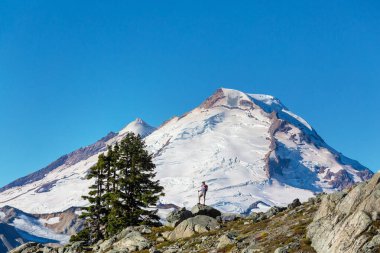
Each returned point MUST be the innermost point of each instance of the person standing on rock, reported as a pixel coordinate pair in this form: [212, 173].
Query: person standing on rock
[202, 193]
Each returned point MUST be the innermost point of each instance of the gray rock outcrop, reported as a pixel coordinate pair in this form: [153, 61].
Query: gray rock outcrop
[27, 247]
[130, 239]
[191, 226]
[205, 210]
[177, 216]
[281, 250]
[225, 240]
[260, 216]
[348, 222]
[228, 217]
[294, 204]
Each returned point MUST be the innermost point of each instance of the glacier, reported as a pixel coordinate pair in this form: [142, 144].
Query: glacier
[252, 151]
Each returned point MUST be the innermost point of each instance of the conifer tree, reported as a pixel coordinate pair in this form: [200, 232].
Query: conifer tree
[123, 193]
[95, 213]
[137, 190]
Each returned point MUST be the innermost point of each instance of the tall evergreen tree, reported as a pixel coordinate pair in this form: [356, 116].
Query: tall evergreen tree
[137, 190]
[95, 213]
[124, 191]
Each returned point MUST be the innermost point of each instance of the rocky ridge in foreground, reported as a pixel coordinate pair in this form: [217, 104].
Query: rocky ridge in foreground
[346, 221]
[349, 221]
[276, 228]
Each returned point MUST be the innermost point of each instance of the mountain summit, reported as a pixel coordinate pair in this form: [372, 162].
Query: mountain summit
[251, 150]
[138, 126]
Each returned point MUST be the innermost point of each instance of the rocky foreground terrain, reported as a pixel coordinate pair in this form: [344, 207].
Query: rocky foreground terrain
[347, 221]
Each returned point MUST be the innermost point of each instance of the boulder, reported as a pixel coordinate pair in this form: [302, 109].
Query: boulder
[130, 239]
[76, 247]
[106, 245]
[281, 250]
[33, 247]
[205, 210]
[27, 248]
[173, 249]
[225, 240]
[160, 239]
[187, 228]
[294, 204]
[273, 211]
[177, 216]
[345, 221]
[227, 217]
[47, 249]
[166, 234]
[252, 248]
[373, 245]
[154, 250]
[133, 241]
[146, 230]
[256, 217]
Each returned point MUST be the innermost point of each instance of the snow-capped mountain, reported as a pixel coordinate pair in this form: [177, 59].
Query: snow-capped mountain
[250, 149]
[138, 126]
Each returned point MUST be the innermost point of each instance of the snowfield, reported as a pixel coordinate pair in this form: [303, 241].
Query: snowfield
[249, 148]
[36, 228]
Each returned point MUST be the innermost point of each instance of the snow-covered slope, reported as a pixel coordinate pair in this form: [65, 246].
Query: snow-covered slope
[18, 227]
[252, 151]
[138, 127]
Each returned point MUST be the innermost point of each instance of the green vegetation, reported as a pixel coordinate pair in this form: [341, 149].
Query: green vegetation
[123, 191]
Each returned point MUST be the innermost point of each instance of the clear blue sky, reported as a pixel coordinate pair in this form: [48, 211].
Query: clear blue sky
[71, 71]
